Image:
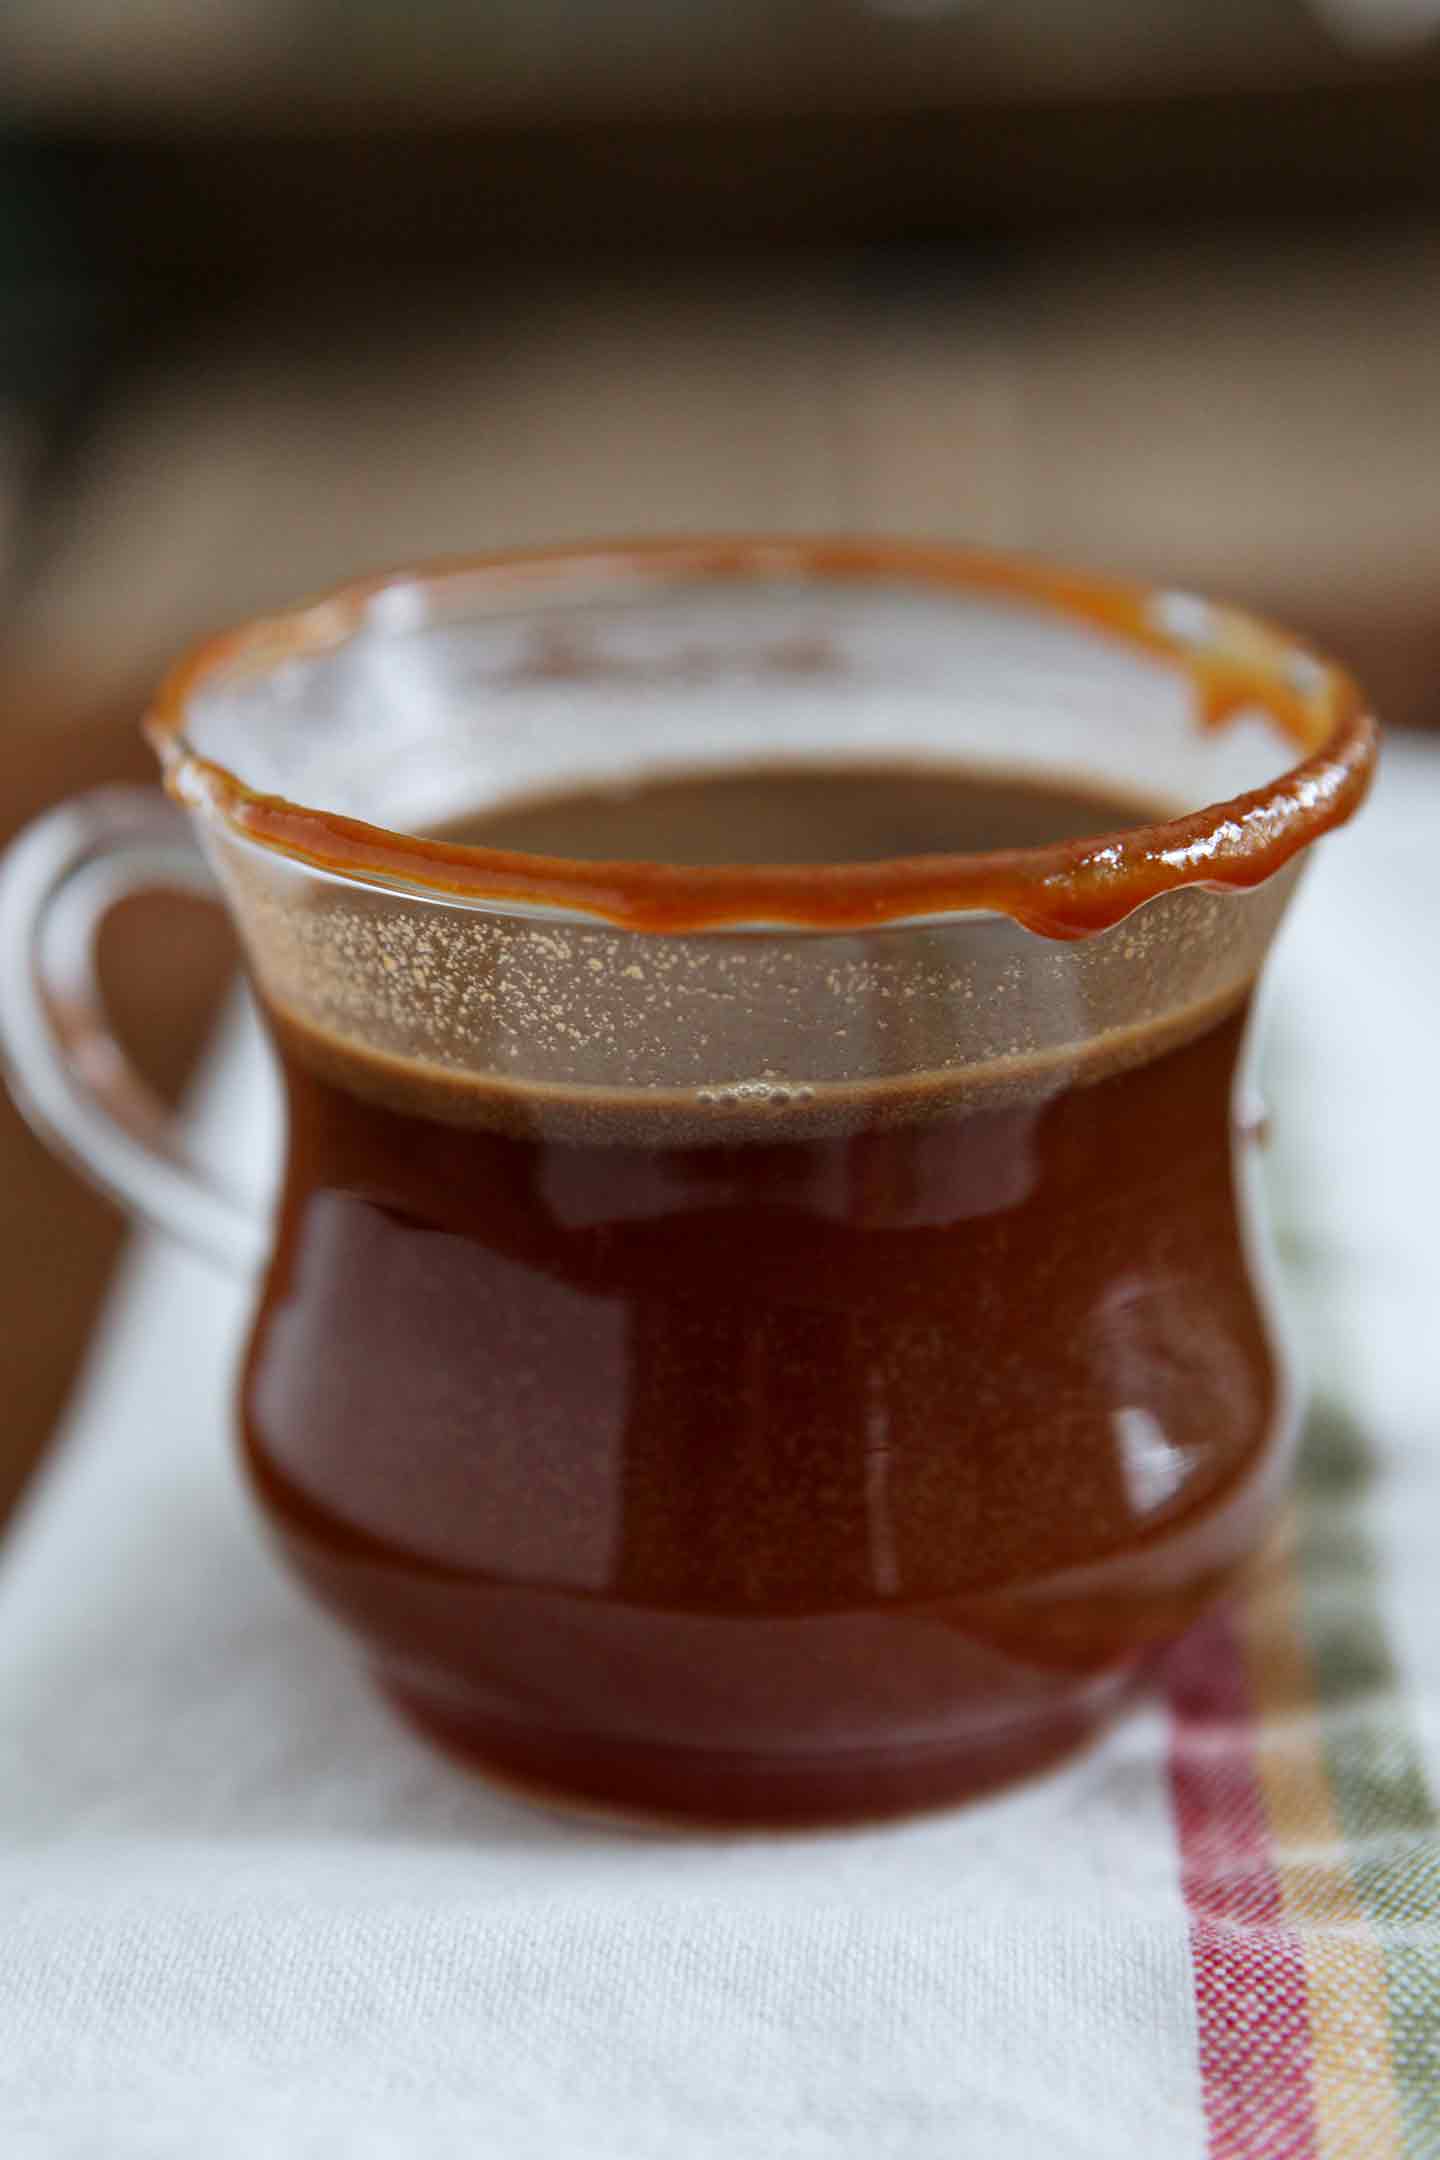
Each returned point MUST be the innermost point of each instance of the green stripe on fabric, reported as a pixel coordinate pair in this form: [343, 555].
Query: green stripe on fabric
[1381, 1794]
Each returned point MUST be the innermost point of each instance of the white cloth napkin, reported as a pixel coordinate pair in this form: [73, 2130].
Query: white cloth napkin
[243, 1913]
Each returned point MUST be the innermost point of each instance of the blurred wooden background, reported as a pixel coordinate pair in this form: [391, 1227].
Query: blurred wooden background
[1183, 324]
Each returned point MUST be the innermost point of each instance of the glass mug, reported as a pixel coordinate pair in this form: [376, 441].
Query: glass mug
[749, 1344]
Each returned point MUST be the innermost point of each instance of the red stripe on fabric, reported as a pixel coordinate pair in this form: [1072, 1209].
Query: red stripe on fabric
[1255, 2052]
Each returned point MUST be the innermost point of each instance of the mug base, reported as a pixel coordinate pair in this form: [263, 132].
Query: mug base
[642, 1785]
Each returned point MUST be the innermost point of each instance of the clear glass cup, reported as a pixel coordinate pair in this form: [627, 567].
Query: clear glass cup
[757, 1344]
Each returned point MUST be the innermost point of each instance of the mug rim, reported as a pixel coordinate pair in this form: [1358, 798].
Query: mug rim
[1066, 889]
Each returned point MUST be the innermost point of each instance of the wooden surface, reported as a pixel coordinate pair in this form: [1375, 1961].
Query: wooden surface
[290, 63]
[1259, 422]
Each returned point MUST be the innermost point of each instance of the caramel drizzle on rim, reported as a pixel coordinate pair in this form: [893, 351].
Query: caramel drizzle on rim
[1233, 662]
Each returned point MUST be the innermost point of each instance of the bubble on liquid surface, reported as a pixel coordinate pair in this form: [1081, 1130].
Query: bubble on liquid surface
[768, 1093]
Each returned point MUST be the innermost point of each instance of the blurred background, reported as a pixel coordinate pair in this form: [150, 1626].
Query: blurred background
[292, 288]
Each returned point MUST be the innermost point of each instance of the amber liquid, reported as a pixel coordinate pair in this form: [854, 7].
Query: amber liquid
[800, 1477]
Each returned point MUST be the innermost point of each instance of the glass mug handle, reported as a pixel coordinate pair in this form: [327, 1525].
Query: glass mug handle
[66, 1069]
